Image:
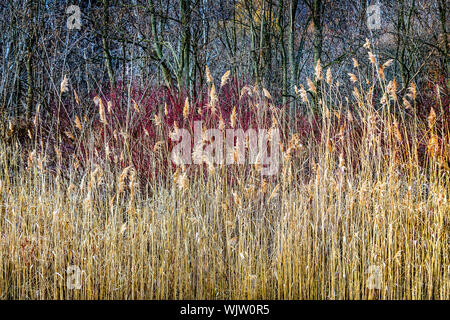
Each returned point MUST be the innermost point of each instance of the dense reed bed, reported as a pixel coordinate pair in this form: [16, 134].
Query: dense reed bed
[358, 210]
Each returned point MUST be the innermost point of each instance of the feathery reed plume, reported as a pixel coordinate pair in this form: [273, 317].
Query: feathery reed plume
[69, 134]
[122, 177]
[349, 116]
[397, 132]
[272, 127]
[267, 94]
[64, 85]
[136, 107]
[36, 116]
[381, 72]
[318, 70]
[406, 103]
[311, 85]
[233, 117]
[186, 108]
[303, 94]
[433, 148]
[372, 58]
[388, 63]
[77, 100]
[391, 89]
[329, 76]
[383, 99]
[209, 78]
[225, 78]
[353, 77]
[221, 123]
[244, 90]
[355, 63]
[101, 109]
[109, 106]
[412, 91]
[431, 118]
[384, 66]
[174, 133]
[158, 145]
[182, 181]
[212, 99]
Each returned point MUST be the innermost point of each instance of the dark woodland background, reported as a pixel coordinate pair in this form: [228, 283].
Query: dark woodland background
[273, 43]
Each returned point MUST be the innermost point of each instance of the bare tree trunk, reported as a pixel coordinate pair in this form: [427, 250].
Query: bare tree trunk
[318, 37]
[185, 8]
[443, 18]
[157, 45]
[29, 63]
[105, 43]
[254, 50]
[262, 36]
[30, 80]
[317, 10]
[291, 55]
[284, 69]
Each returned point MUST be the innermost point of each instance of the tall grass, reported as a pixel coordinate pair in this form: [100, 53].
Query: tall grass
[359, 209]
